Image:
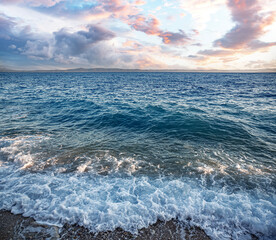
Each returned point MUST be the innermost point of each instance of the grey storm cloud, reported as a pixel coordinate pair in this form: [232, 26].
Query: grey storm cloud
[74, 44]
[64, 46]
[85, 47]
[81, 47]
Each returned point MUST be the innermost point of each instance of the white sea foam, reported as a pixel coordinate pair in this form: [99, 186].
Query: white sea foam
[26, 152]
[102, 203]
[18, 149]
[108, 164]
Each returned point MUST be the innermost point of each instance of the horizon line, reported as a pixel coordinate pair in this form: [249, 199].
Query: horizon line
[139, 70]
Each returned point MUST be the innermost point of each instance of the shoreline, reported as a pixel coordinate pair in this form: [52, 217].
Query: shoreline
[18, 227]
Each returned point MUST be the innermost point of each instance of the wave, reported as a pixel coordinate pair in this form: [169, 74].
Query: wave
[106, 150]
[101, 202]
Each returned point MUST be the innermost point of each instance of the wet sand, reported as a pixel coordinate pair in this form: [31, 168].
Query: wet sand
[17, 227]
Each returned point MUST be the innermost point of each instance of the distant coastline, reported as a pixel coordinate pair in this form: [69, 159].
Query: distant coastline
[139, 70]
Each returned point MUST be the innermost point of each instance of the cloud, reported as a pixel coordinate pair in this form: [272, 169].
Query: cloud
[86, 48]
[214, 55]
[142, 24]
[179, 38]
[196, 58]
[12, 46]
[242, 39]
[37, 49]
[259, 64]
[150, 26]
[78, 42]
[130, 44]
[70, 33]
[6, 25]
[105, 55]
[97, 9]
[125, 11]
[139, 2]
[200, 10]
[114, 5]
[33, 3]
[147, 63]
[250, 24]
[13, 35]
[217, 53]
[256, 44]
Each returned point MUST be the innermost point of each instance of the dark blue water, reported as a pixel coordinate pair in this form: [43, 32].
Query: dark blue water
[107, 150]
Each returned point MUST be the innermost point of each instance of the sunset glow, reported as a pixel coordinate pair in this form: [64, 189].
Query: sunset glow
[149, 34]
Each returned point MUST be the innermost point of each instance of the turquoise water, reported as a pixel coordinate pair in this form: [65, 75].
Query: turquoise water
[107, 150]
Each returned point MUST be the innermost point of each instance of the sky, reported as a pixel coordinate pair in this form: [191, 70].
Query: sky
[142, 34]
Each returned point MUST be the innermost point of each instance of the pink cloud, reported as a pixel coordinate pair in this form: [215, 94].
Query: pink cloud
[243, 38]
[108, 9]
[139, 2]
[150, 26]
[114, 5]
[123, 10]
[250, 24]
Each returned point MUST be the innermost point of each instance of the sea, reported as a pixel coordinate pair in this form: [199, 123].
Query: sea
[124, 150]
